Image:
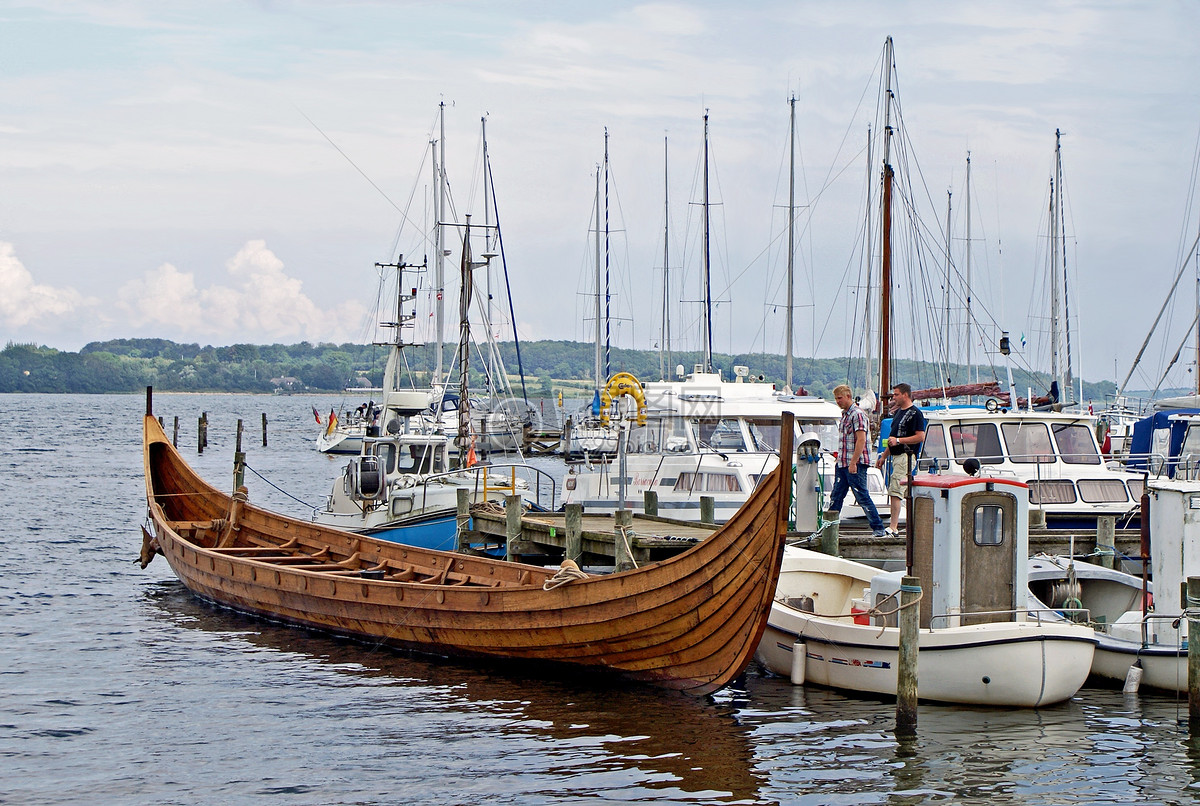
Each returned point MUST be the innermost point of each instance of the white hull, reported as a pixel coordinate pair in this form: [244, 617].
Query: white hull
[1021, 663]
[1018, 664]
[1112, 600]
[347, 442]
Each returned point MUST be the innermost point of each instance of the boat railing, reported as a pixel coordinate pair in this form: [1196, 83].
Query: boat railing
[1082, 615]
[502, 478]
[1175, 625]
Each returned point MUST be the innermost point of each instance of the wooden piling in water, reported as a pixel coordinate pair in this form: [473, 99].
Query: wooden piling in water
[623, 540]
[175, 433]
[708, 509]
[574, 529]
[830, 537]
[200, 434]
[650, 502]
[512, 524]
[1193, 666]
[906, 657]
[264, 426]
[239, 460]
[1106, 539]
[462, 517]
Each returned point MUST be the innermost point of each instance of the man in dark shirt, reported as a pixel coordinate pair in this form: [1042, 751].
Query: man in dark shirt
[903, 446]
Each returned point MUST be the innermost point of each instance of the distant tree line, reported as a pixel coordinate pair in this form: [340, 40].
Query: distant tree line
[129, 365]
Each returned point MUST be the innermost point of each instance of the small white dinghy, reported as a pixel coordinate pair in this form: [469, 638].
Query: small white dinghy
[1135, 627]
[834, 621]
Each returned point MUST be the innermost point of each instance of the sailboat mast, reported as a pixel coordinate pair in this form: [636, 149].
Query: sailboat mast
[885, 273]
[664, 352]
[791, 309]
[493, 372]
[975, 374]
[439, 264]
[868, 309]
[607, 284]
[946, 290]
[1055, 190]
[706, 318]
[464, 348]
[600, 378]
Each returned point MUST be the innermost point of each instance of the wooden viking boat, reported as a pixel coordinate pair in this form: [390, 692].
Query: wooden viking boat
[689, 623]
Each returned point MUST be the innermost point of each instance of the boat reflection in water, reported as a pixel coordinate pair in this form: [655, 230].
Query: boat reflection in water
[481, 724]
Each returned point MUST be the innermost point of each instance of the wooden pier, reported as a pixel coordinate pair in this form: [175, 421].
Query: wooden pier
[544, 536]
[543, 539]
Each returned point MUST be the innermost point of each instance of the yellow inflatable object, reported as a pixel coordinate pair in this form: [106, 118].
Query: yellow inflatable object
[619, 385]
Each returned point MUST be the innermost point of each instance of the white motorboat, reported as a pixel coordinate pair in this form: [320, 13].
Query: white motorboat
[708, 437]
[834, 621]
[1136, 628]
[1054, 453]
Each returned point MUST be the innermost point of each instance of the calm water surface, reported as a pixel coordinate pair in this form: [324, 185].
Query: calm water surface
[116, 686]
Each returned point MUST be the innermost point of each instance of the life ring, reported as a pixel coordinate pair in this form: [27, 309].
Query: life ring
[619, 385]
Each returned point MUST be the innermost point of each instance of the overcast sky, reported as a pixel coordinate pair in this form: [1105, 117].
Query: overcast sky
[226, 172]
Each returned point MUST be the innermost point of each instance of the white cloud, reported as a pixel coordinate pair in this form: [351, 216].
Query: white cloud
[262, 303]
[26, 303]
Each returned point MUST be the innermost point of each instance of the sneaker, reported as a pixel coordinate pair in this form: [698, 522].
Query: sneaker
[879, 533]
[890, 532]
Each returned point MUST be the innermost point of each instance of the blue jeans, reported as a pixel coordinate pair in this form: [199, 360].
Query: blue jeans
[844, 480]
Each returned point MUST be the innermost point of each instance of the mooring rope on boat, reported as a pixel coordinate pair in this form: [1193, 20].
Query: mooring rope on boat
[277, 487]
[625, 532]
[568, 571]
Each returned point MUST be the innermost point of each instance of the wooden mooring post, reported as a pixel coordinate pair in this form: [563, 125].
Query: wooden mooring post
[650, 502]
[1193, 665]
[1106, 540]
[462, 517]
[264, 423]
[239, 461]
[708, 509]
[175, 433]
[622, 540]
[829, 537]
[574, 527]
[512, 524]
[906, 657]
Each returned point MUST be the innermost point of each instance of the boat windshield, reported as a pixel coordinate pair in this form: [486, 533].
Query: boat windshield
[415, 458]
[724, 434]
[660, 435]
[980, 440]
[1076, 444]
[1028, 443]
[934, 446]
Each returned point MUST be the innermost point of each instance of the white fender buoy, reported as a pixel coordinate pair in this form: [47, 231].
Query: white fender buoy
[1133, 678]
[799, 663]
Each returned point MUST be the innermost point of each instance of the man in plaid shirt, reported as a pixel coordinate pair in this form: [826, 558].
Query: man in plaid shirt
[853, 459]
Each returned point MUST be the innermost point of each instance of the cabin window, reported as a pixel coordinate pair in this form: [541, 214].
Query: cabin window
[722, 435]
[1136, 488]
[387, 452]
[1101, 491]
[989, 525]
[708, 483]
[1076, 444]
[1028, 443]
[981, 441]
[935, 442]
[764, 434]
[1057, 491]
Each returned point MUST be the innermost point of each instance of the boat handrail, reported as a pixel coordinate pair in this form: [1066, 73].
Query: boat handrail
[482, 470]
[1037, 614]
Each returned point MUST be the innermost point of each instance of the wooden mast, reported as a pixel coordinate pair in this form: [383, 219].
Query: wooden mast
[885, 275]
